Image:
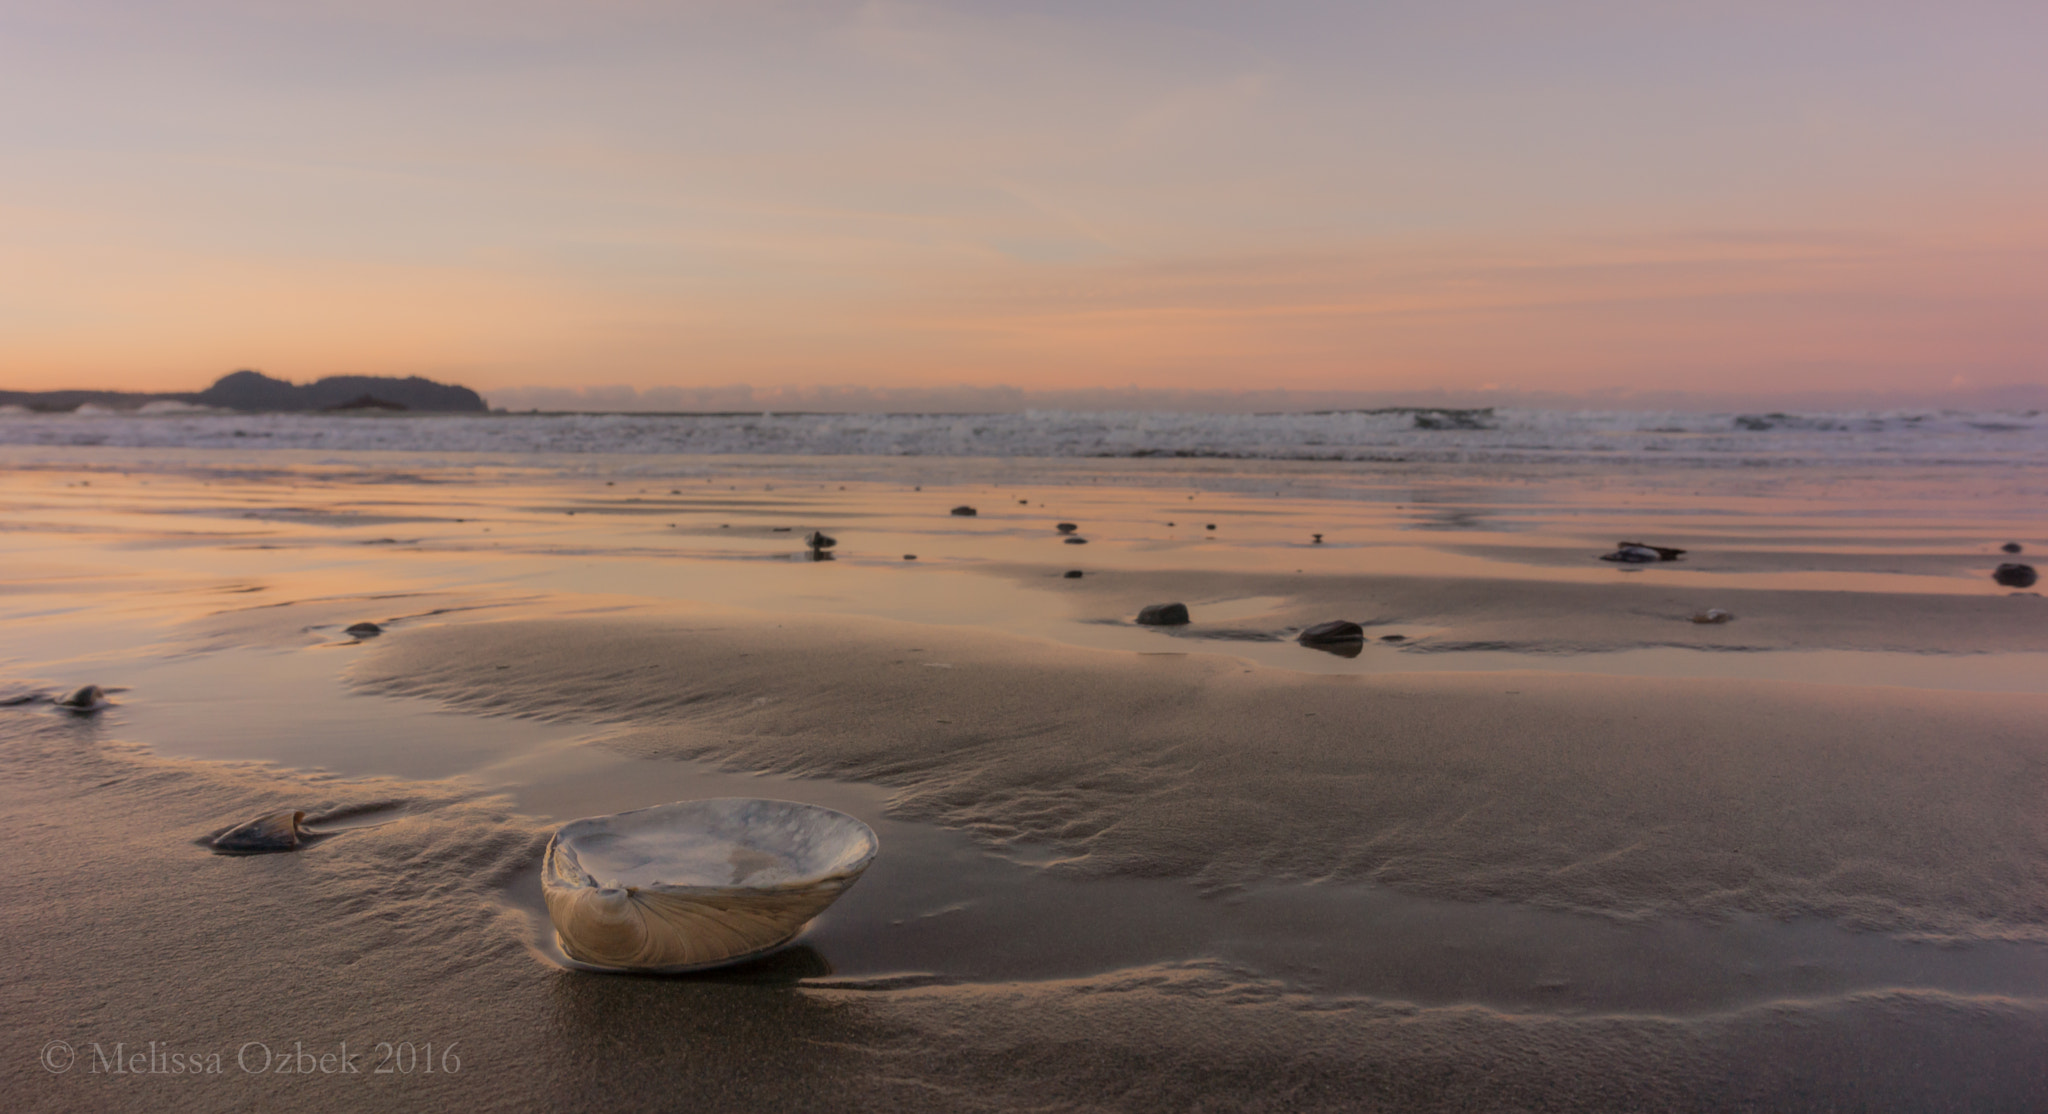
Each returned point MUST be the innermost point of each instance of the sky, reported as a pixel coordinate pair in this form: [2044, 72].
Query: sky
[710, 200]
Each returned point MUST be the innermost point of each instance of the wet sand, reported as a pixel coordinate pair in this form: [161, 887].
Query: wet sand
[1557, 848]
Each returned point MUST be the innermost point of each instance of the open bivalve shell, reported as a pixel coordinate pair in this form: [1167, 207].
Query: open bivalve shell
[697, 884]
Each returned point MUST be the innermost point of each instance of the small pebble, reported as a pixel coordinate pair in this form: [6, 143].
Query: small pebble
[1336, 630]
[1164, 615]
[1077, 541]
[2015, 576]
[965, 511]
[363, 628]
[1210, 526]
[2010, 547]
[910, 556]
[1072, 574]
[1317, 539]
[90, 698]
[1067, 527]
[1393, 638]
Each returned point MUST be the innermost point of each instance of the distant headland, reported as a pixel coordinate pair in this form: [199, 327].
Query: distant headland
[255, 391]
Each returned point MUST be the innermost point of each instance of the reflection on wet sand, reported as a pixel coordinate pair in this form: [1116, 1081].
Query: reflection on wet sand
[1240, 867]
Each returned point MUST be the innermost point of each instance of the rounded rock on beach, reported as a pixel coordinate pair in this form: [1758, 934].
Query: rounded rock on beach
[1331, 633]
[2014, 575]
[1164, 615]
[87, 698]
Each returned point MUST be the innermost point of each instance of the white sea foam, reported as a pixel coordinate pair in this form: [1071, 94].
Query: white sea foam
[1441, 436]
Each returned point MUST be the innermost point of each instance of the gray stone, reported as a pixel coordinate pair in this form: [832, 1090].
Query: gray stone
[1336, 630]
[1164, 615]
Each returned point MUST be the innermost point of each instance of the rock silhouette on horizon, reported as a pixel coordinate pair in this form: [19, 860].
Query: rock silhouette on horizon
[253, 391]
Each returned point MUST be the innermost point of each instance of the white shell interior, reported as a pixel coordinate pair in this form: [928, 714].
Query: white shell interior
[732, 841]
[697, 883]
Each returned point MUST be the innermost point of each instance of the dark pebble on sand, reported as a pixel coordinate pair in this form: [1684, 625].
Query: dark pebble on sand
[2015, 576]
[2010, 547]
[91, 698]
[363, 628]
[1072, 574]
[817, 540]
[965, 511]
[1632, 555]
[1164, 615]
[910, 556]
[1077, 541]
[1336, 630]
[1315, 539]
[1663, 552]
[1210, 526]
[1393, 638]
[1067, 527]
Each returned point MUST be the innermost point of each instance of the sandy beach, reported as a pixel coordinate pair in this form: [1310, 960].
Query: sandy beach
[1542, 843]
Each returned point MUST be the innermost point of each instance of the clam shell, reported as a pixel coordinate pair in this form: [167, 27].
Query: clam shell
[276, 831]
[698, 883]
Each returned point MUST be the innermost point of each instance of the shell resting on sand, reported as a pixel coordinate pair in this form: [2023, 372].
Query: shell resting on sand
[277, 831]
[697, 883]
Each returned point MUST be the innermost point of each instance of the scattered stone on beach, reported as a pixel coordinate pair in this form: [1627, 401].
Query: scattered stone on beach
[910, 556]
[363, 629]
[965, 511]
[1712, 615]
[818, 540]
[1077, 541]
[91, 698]
[277, 831]
[1664, 553]
[1210, 526]
[1067, 527]
[780, 529]
[2015, 575]
[2010, 547]
[1164, 615]
[1315, 539]
[1633, 555]
[1393, 638]
[1072, 574]
[1336, 630]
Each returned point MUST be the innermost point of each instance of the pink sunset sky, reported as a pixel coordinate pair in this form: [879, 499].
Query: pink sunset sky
[538, 199]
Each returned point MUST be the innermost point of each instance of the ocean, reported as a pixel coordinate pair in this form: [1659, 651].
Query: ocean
[1404, 435]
